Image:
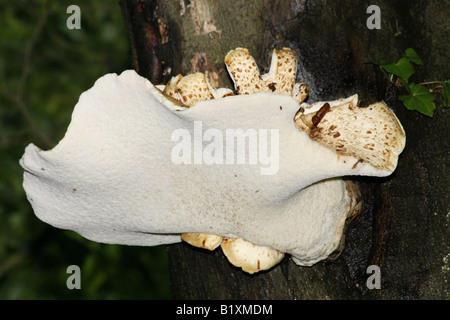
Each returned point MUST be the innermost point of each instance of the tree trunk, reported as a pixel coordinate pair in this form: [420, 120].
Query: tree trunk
[404, 229]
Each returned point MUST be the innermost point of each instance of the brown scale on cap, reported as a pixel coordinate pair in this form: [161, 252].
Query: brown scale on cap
[301, 91]
[320, 114]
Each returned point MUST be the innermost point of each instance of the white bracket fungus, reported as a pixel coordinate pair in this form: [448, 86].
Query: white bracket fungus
[113, 178]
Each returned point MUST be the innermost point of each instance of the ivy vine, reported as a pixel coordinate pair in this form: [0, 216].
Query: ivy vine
[419, 97]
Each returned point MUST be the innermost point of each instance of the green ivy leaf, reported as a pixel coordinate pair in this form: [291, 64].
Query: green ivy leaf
[412, 56]
[420, 100]
[403, 68]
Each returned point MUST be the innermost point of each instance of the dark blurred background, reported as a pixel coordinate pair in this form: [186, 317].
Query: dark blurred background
[44, 67]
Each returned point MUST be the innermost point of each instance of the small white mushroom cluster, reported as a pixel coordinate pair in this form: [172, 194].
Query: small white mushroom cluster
[112, 177]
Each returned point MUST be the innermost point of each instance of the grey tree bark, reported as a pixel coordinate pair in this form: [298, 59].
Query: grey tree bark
[405, 226]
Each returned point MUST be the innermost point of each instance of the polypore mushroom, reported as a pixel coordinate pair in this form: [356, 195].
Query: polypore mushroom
[138, 167]
[250, 257]
[202, 240]
[279, 80]
[373, 134]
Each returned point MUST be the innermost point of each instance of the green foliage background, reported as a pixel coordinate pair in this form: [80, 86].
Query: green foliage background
[44, 67]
